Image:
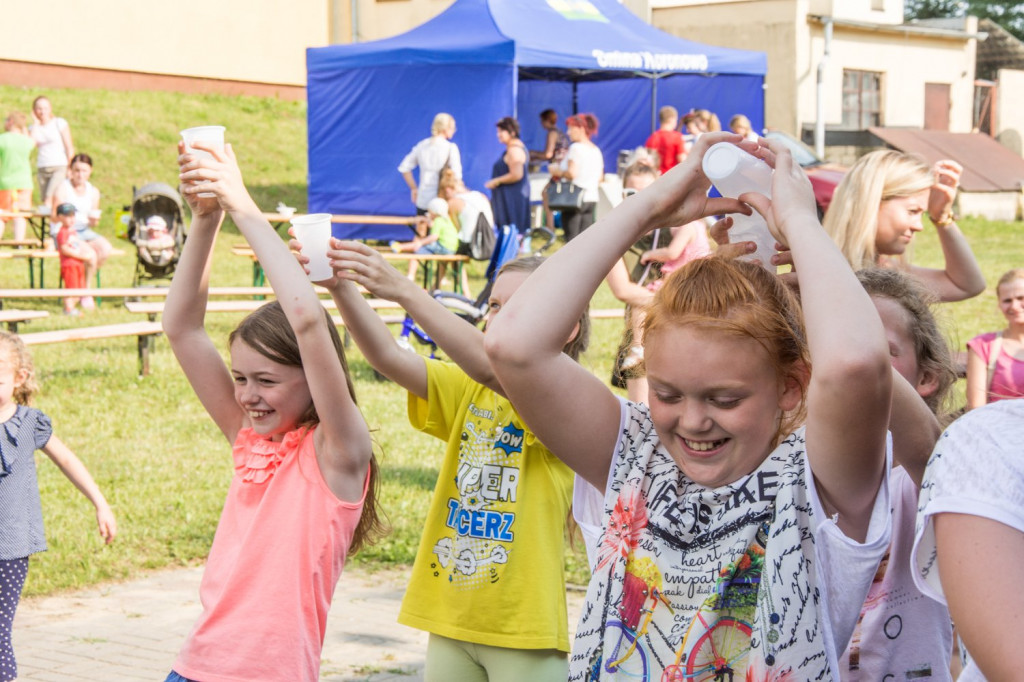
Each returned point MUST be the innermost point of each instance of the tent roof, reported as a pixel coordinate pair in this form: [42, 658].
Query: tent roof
[541, 35]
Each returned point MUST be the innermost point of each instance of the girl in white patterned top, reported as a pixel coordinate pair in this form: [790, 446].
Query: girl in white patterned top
[737, 542]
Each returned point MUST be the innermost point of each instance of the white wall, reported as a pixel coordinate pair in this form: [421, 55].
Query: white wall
[906, 64]
[1010, 110]
[250, 40]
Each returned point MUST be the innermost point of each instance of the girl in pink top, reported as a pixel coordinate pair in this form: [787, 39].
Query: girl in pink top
[995, 361]
[302, 494]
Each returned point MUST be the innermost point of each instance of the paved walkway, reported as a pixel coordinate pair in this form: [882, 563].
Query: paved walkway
[132, 631]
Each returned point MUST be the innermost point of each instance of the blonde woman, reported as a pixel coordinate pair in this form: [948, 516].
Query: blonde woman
[878, 207]
[431, 155]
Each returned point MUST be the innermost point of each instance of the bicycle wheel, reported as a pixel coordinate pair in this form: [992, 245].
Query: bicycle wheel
[537, 240]
[635, 662]
[723, 646]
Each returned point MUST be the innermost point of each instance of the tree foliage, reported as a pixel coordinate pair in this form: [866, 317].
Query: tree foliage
[1008, 14]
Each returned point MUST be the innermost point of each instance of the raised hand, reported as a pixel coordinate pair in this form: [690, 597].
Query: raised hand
[792, 194]
[682, 195]
[943, 192]
[356, 262]
[726, 248]
[219, 176]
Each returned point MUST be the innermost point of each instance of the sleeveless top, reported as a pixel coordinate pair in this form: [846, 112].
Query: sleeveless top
[511, 202]
[280, 547]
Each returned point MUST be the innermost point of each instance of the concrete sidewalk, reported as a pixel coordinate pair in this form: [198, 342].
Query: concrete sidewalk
[132, 631]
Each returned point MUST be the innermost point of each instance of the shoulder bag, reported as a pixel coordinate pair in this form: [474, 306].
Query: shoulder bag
[563, 194]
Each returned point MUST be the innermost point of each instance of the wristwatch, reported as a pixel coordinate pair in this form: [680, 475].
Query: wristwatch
[946, 220]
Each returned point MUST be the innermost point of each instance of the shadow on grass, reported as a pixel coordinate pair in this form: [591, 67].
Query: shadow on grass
[423, 478]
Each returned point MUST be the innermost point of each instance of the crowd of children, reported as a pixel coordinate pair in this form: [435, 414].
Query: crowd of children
[765, 507]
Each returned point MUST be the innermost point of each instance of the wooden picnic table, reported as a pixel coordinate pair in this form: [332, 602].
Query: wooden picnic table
[458, 261]
[36, 220]
[279, 220]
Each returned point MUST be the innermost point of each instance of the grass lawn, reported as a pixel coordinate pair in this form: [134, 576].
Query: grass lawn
[162, 464]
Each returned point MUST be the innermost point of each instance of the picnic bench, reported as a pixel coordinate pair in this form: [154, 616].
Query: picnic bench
[127, 292]
[12, 318]
[145, 331]
[19, 243]
[38, 257]
[259, 279]
[153, 308]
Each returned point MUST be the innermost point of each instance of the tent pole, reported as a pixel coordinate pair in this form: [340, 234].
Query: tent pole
[575, 99]
[654, 104]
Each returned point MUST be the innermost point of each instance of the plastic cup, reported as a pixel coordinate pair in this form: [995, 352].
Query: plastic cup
[313, 231]
[95, 214]
[211, 135]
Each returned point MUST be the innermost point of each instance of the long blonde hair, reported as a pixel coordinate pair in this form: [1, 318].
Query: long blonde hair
[852, 217]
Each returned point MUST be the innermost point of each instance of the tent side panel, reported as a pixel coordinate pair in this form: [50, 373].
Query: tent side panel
[362, 122]
[725, 95]
[536, 96]
[623, 108]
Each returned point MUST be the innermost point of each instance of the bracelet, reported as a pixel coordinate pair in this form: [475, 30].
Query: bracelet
[946, 220]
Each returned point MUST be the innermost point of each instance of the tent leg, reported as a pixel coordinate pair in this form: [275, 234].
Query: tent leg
[654, 104]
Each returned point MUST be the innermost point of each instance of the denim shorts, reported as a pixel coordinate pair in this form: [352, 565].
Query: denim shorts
[433, 248]
[175, 677]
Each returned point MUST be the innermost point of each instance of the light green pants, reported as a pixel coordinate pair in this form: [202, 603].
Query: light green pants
[451, 660]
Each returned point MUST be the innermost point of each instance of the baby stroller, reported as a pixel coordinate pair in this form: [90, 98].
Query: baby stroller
[157, 228]
[472, 311]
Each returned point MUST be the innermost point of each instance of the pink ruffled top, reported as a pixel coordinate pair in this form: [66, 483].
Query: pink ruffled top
[257, 458]
[279, 550]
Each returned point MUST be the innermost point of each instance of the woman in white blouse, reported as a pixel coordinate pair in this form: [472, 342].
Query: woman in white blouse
[585, 167]
[431, 155]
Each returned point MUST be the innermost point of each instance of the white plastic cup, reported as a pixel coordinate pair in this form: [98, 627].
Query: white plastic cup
[95, 214]
[211, 135]
[733, 172]
[313, 231]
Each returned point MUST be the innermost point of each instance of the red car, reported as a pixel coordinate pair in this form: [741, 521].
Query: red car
[824, 176]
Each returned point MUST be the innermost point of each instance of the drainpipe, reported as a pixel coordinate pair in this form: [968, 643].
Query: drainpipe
[819, 123]
[354, 4]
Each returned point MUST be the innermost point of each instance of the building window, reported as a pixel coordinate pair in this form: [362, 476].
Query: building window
[861, 99]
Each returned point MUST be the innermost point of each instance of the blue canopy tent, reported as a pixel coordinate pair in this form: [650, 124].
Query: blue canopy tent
[479, 60]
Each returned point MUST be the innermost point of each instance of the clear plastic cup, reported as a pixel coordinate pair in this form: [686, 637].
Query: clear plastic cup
[313, 231]
[211, 135]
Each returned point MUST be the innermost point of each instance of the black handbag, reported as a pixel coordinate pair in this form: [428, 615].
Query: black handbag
[563, 194]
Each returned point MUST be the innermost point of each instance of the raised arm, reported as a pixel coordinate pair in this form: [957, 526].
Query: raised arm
[342, 441]
[462, 342]
[961, 278]
[848, 397]
[682, 238]
[914, 428]
[571, 410]
[623, 288]
[185, 312]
